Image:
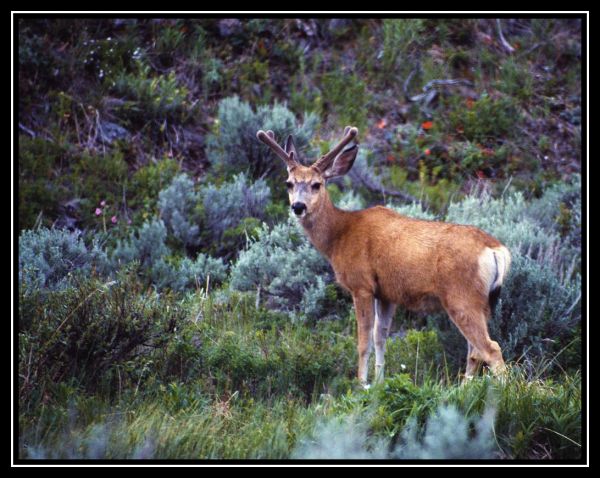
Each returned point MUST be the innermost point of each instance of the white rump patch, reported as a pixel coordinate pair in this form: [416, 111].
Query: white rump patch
[493, 266]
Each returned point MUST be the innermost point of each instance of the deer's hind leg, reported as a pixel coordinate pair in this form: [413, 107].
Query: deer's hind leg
[470, 315]
[474, 361]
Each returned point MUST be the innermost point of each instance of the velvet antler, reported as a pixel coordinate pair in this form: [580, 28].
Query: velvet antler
[326, 160]
[269, 139]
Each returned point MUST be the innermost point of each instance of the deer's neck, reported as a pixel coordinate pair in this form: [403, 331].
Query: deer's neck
[325, 226]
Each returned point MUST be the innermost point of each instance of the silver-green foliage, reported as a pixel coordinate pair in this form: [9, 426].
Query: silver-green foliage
[176, 204]
[350, 201]
[286, 270]
[147, 246]
[189, 274]
[530, 228]
[233, 146]
[447, 435]
[412, 210]
[49, 257]
[227, 205]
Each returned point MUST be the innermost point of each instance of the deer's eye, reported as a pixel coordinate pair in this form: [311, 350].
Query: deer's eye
[315, 186]
[289, 184]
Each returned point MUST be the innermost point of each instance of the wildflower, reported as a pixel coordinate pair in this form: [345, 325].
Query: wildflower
[427, 125]
[427, 152]
[113, 219]
[103, 203]
[98, 211]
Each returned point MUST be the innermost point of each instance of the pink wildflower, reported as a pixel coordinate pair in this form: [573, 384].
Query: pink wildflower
[113, 219]
[98, 211]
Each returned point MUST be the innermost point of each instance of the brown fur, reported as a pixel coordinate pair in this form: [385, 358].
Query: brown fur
[384, 258]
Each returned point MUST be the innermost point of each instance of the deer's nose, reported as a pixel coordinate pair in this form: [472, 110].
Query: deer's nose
[298, 208]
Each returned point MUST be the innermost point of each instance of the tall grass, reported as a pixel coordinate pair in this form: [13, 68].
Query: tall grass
[485, 418]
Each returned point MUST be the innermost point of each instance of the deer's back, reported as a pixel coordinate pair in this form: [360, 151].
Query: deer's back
[405, 260]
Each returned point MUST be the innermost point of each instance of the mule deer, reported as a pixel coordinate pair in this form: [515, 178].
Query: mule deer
[385, 259]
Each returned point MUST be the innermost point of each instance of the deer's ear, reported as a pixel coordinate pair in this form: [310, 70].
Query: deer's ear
[342, 163]
[290, 147]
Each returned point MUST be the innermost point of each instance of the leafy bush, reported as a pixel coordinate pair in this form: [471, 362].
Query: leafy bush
[94, 332]
[226, 206]
[176, 204]
[399, 35]
[346, 96]
[147, 183]
[40, 197]
[49, 259]
[233, 147]
[235, 346]
[488, 118]
[285, 269]
[152, 97]
[99, 178]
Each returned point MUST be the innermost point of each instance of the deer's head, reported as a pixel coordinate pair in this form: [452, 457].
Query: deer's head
[306, 184]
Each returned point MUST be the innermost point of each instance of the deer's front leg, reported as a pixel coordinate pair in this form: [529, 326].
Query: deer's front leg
[384, 312]
[363, 306]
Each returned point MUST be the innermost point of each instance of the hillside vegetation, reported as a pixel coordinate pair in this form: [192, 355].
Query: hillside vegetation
[169, 305]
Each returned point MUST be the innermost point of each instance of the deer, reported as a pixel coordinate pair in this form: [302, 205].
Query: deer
[385, 259]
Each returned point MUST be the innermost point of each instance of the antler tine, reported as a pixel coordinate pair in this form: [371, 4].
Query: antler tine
[269, 139]
[325, 161]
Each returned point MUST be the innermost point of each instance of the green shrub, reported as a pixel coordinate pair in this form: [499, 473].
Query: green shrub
[515, 80]
[488, 119]
[233, 146]
[524, 227]
[40, 192]
[402, 402]
[152, 97]
[537, 315]
[346, 98]
[95, 333]
[99, 178]
[147, 183]
[399, 36]
[106, 58]
[202, 273]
